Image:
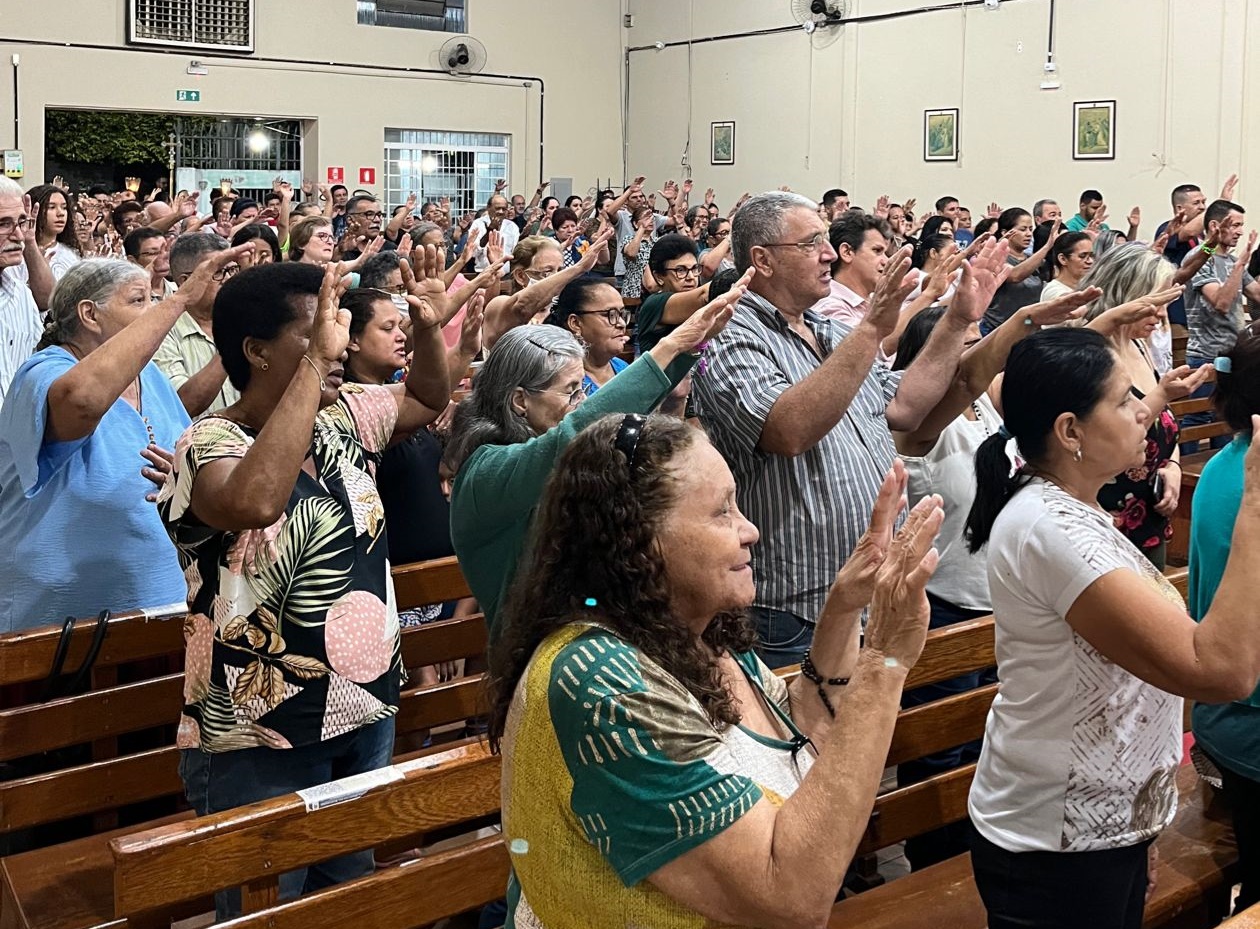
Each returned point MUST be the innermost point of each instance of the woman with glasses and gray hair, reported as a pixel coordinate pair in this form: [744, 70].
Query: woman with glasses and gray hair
[525, 408]
[83, 438]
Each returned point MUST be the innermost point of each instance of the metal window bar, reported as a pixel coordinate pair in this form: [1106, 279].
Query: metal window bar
[432, 15]
[213, 23]
[433, 165]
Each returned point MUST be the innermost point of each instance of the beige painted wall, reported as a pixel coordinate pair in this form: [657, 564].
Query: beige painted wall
[583, 129]
[851, 115]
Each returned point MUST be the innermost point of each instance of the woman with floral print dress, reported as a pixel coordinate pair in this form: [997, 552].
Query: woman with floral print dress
[293, 665]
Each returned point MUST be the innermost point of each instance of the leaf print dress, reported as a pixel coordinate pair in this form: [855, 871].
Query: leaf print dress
[292, 635]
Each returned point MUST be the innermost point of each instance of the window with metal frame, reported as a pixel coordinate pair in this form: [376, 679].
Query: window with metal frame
[433, 164]
[434, 15]
[218, 24]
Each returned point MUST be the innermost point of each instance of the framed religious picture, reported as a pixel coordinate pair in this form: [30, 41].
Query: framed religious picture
[940, 135]
[722, 144]
[1094, 130]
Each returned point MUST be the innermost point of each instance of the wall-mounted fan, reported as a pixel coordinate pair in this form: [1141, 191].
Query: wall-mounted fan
[462, 54]
[822, 19]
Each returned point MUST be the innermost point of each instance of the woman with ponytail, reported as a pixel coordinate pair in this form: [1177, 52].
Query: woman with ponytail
[1095, 649]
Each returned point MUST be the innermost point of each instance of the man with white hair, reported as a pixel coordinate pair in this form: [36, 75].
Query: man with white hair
[26, 282]
[804, 415]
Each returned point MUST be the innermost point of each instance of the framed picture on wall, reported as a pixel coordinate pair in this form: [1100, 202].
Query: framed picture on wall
[940, 135]
[722, 143]
[1094, 130]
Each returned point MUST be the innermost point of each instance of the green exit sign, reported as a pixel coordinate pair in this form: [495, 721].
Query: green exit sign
[188, 96]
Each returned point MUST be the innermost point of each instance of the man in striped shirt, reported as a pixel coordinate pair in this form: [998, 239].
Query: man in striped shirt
[22, 267]
[803, 414]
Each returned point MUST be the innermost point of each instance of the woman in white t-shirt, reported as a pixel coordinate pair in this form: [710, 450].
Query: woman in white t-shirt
[1094, 648]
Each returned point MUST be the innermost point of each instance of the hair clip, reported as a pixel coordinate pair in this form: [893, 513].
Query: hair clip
[1223, 364]
[627, 441]
[591, 601]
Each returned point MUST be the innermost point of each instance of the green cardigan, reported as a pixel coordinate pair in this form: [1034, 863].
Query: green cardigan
[499, 486]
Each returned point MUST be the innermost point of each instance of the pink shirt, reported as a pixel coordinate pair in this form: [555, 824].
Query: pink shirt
[450, 332]
[842, 305]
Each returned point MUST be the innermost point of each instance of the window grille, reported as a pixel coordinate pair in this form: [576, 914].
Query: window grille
[434, 15]
[218, 24]
[461, 165]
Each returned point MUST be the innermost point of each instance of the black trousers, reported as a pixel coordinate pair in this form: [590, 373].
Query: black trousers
[1061, 890]
[1243, 796]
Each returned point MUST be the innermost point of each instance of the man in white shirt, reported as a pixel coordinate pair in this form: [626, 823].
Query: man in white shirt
[22, 267]
[495, 220]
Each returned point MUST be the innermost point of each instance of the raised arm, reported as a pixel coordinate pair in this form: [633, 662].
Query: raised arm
[1223, 296]
[809, 409]
[81, 397]
[39, 276]
[1032, 263]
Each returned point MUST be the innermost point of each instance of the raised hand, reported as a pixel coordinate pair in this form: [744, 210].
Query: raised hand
[1251, 241]
[411, 201]
[709, 320]
[186, 204]
[500, 185]
[598, 245]
[1182, 382]
[1228, 188]
[1135, 217]
[994, 211]
[708, 197]
[1146, 309]
[855, 582]
[899, 613]
[32, 219]
[686, 187]
[1100, 216]
[405, 245]
[424, 282]
[494, 247]
[330, 333]
[881, 206]
[890, 293]
[470, 328]
[908, 205]
[308, 188]
[981, 277]
[198, 290]
[323, 191]
[670, 190]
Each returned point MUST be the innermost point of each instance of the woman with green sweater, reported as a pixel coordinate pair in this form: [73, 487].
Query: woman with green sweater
[525, 407]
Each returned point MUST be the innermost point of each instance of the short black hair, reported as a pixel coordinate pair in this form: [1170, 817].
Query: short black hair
[241, 205]
[96, 190]
[258, 231]
[1181, 193]
[832, 196]
[361, 303]
[851, 229]
[722, 282]
[1089, 196]
[358, 199]
[573, 298]
[561, 216]
[1237, 394]
[257, 304]
[1219, 209]
[376, 270]
[336, 187]
[916, 335]
[271, 196]
[667, 248]
[137, 237]
[944, 202]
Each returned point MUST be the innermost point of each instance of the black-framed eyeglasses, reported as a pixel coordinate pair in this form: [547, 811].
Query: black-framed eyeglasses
[614, 317]
[683, 272]
[810, 246]
[325, 237]
[369, 214]
[9, 226]
[225, 272]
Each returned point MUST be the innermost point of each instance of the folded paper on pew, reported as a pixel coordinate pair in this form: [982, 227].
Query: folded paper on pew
[169, 611]
[348, 788]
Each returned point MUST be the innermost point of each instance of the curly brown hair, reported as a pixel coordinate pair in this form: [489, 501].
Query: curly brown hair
[594, 538]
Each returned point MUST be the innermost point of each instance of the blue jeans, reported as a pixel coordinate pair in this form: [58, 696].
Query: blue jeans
[221, 781]
[952, 839]
[782, 637]
[1200, 419]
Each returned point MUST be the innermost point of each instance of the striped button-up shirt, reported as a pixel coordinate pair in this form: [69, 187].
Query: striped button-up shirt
[21, 324]
[811, 509]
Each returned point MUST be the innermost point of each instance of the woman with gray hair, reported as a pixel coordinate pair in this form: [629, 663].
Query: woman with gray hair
[83, 435]
[1136, 286]
[526, 406]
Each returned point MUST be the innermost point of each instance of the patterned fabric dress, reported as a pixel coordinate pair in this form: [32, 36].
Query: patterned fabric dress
[611, 770]
[1130, 497]
[292, 636]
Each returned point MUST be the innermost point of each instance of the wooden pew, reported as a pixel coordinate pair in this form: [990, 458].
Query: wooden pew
[1247, 919]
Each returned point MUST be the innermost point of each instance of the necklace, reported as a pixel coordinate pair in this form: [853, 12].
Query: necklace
[148, 426]
[975, 408]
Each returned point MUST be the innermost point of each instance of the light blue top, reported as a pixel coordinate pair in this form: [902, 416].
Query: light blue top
[588, 383]
[76, 534]
[1230, 732]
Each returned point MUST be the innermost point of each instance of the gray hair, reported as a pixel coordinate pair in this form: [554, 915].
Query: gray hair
[11, 188]
[529, 357]
[1105, 241]
[1039, 208]
[191, 249]
[760, 222]
[421, 229]
[94, 279]
[376, 269]
[1126, 273]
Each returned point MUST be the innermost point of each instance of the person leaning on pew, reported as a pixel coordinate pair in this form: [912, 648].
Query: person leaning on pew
[293, 664]
[1230, 732]
[1077, 776]
[655, 772]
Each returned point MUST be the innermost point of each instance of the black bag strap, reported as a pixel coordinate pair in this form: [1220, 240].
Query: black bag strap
[51, 689]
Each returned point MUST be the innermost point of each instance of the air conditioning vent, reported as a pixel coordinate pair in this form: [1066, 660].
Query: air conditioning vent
[207, 24]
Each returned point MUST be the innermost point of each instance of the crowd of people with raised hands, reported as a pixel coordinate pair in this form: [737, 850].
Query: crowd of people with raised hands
[675, 448]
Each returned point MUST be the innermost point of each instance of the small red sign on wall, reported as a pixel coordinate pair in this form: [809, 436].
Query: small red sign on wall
[367, 175]
[336, 175]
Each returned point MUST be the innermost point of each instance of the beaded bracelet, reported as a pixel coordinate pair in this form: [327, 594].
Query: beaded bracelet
[811, 674]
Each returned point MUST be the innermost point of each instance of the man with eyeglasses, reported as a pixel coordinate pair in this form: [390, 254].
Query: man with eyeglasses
[147, 248]
[363, 224]
[803, 413]
[26, 282]
[187, 355]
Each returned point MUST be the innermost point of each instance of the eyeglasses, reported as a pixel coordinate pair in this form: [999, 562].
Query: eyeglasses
[325, 237]
[369, 214]
[573, 398]
[225, 272]
[810, 247]
[541, 275]
[391, 291]
[613, 317]
[722, 234]
[9, 226]
[683, 272]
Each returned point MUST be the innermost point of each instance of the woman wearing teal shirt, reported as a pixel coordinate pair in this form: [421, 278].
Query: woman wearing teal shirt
[525, 407]
[1230, 732]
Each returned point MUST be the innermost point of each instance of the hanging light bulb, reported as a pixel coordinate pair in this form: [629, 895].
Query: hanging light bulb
[258, 141]
[429, 164]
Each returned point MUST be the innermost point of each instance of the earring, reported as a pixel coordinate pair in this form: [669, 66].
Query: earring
[267, 367]
[1076, 455]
